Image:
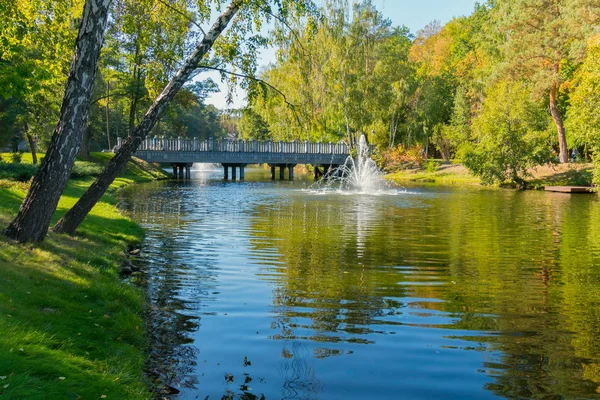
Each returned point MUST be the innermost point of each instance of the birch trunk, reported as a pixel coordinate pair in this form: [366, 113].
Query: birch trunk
[74, 217]
[34, 216]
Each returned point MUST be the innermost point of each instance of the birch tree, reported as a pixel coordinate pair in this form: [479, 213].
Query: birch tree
[34, 215]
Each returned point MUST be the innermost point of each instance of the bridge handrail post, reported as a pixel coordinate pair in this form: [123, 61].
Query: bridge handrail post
[254, 144]
[281, 146]
[241, 145]
[293, 146]
[165, 144]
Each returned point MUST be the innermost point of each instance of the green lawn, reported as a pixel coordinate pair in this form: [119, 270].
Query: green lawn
[69, 326]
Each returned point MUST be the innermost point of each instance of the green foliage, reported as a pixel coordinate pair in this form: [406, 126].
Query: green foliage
[510, 136]
[431, 165]
[17, 171]
[583, 118]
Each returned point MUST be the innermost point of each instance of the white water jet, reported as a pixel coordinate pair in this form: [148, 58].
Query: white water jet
[358, 175]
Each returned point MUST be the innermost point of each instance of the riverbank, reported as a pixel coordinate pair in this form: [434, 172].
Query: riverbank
[457, 174]
[69, 326]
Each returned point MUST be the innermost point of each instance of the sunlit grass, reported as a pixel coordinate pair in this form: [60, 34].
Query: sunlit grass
[69, 327]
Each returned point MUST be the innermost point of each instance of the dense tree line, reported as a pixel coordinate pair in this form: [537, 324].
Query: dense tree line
[506, 88]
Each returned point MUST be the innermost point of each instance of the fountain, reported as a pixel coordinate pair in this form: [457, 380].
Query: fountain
[358, 175]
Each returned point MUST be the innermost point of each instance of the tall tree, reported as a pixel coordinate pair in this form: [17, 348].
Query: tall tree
[544, 39]
[33, 219]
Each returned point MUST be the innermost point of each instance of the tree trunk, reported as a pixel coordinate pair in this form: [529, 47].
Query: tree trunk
[33, 219]
[84, 149]
[562, 138]
[32, 144]
[76, 215]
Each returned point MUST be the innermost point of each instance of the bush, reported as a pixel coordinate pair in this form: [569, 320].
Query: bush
[15, 171]
[85, 168]
[400, 158]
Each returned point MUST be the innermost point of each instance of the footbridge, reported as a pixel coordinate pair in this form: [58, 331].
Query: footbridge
[237, 154]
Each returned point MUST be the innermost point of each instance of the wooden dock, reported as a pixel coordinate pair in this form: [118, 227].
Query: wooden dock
[569, 189]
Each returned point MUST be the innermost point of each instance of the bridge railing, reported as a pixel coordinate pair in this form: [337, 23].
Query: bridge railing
[245, 146]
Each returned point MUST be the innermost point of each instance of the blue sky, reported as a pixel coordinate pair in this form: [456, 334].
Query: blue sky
[415, 14]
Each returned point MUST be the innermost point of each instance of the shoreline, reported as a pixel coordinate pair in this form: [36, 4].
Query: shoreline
[450, 174]
[70, 326]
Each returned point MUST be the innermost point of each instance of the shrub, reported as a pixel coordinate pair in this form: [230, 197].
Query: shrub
[400, 157]
[85, 168]
[15, 171]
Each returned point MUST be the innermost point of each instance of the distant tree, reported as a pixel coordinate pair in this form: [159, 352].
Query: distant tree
[252, 126]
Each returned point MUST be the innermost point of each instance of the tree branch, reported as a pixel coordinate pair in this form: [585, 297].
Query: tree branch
[165, 3]
[291, 105]
[284, 22]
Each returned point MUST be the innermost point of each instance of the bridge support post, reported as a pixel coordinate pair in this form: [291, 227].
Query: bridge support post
[317, 172]
[225, 171]
[233, 172]
[242, 172]
[181, 173]
[325, 171]
[272, 172]
[188, 171]
[291, 171]
[282, 172]
[174, 171]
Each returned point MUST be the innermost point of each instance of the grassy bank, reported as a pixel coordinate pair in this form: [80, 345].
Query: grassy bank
[69, 327]
[456, 174]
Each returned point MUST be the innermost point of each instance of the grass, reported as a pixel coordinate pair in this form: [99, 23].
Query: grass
[444, 175]
[69, 327]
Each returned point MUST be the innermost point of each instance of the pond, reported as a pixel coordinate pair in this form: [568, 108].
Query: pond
[264, 289]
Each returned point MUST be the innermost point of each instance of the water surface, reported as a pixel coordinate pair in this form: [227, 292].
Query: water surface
[266, 289]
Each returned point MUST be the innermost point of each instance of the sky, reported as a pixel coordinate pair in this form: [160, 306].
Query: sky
[415, 14]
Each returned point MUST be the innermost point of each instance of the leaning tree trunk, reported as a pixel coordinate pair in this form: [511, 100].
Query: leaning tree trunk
[562, 138]
[34, 216]
[73, 218]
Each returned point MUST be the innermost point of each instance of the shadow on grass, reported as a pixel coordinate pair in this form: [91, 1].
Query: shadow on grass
[573, 177]
[69, 327]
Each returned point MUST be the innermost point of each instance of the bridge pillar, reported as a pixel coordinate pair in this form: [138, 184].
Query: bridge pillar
[174, 171]
[225, 171]
[188, 171]
[233, 172]
[272, 172]
[281, 172]
[325, 170]
[242, 172]
[181, 173]
[291, 171]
